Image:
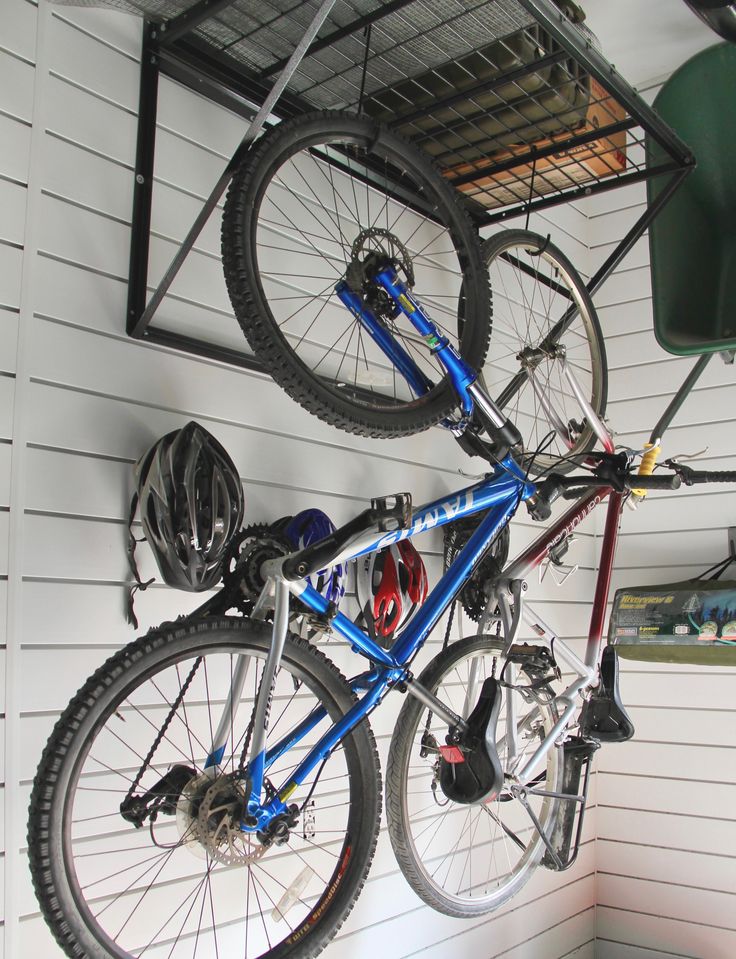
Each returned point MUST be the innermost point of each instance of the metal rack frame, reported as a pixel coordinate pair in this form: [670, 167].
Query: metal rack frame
[172, 49]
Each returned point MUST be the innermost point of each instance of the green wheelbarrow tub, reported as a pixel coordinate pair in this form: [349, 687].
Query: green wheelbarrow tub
[692, 241]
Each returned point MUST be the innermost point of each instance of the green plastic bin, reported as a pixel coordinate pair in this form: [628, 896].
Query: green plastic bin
[692, 242]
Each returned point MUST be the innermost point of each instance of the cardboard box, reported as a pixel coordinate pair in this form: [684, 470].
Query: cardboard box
[558, 171]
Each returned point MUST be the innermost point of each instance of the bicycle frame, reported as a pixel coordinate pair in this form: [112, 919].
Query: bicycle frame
[499, 495]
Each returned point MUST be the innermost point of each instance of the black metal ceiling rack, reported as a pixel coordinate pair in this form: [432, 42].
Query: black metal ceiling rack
[513, 101]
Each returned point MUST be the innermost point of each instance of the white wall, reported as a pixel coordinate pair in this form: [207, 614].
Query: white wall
[82, 401]
[666, 839]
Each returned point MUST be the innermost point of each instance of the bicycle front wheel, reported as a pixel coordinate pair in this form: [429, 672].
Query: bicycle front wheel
[466, 860]
[535, 288]
[187, 882]
[322, 198]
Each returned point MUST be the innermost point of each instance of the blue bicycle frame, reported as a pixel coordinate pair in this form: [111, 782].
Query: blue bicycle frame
[499, 495]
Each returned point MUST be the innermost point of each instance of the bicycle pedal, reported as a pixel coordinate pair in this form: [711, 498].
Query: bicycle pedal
[392, 512]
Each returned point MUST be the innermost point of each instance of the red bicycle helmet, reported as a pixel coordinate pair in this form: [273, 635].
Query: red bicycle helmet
[191, 504]
[391, 584]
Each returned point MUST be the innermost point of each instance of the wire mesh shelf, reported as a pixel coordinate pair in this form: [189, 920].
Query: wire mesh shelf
[512, 100]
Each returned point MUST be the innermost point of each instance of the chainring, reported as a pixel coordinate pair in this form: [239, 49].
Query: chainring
[250, 549]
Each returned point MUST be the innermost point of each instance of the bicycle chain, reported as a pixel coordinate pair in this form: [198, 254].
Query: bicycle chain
[162, 731]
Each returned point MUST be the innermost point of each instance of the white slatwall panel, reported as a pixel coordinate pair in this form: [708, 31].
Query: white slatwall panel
[666, 848]
[17, 72]
[93, 401]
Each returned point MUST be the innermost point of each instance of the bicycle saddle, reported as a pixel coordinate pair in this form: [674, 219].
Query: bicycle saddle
[470, 770]
[603, 715]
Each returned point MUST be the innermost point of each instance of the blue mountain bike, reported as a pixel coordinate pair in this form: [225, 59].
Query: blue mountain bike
[214, 788]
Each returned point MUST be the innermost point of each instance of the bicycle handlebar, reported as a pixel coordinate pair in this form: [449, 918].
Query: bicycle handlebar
[549, 490]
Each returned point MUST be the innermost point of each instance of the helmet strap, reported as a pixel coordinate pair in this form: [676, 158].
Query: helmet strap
[130, 616]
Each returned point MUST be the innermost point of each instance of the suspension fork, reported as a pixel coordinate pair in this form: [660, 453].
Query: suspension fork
[460, 373]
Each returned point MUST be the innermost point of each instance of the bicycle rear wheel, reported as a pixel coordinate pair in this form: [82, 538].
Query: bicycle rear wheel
[466, 860]
[534, 285]
[317, 199]
[188, 882]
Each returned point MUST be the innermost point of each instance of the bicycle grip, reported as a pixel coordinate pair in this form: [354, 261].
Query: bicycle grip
[709, 476]
[672, 481]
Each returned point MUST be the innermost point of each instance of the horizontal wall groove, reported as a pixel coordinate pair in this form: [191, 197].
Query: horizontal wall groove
[668, 812]
[54, 134]
[77, 517]
[85, 206]
[666, 882]
[16, 119]
[571, 952]
[707, 489]
[434, 468]
[654, 915]
[59, 15]
[12, 244]
[639, 205]
[184, 191]
[721, 671]
[81, 266]
[205, 147]
[177, 242]
[626, 333]
[487, 922]
[623, 568]
[93, 93]
[681, 709]
[660, 778]
[84, 454]
[668, 532]
[13, 180]
[17, 56]
[656, 845]
[543, 932]
[74, 581]
[643, 949]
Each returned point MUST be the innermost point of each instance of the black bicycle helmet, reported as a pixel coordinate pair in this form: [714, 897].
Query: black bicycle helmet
[191, 504]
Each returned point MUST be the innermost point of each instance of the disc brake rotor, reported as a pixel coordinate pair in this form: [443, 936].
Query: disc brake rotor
[208, 818]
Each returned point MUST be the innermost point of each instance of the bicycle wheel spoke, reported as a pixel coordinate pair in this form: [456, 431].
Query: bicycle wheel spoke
[179, 884]
[464, 858]
[535, 287]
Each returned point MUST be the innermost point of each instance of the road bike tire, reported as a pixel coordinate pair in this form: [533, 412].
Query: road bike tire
[448, 851]
[533, 284]
[291, 225]
[185, 884]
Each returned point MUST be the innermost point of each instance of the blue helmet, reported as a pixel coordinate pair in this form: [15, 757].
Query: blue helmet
[308, 527]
